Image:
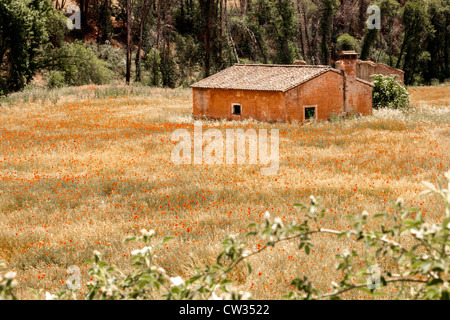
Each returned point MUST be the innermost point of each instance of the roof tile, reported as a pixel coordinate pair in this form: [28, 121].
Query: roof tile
[262, 77]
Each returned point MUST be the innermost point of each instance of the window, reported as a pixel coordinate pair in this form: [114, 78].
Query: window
[236, 109]
[310, 112]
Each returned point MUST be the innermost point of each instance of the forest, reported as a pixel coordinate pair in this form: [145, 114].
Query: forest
[172, 43]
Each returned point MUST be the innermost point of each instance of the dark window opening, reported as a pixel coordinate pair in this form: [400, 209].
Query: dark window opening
[237, 109]
[310, 113]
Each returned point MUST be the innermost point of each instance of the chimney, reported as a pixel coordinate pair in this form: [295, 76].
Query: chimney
[300, 63]
[347, 65]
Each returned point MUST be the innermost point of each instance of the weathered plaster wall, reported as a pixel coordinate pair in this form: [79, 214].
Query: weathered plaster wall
[325, 92]
[260, 105]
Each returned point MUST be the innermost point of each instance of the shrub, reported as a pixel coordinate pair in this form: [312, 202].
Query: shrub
[79, 64]
[434, 82]
[388, 92]
[419, 248]
[113, 57]
[346, 42]
[55, 79]
[153, 64]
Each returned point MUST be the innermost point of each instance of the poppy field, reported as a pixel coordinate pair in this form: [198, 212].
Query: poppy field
[80, 172]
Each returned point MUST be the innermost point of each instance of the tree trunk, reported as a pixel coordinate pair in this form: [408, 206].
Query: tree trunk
[83, 13]
[229, 33]
[183, 18]
[106, 19]
[243, 7]
[303, 40]
[405, 40]
[208, 37]
[309, 44]
[158, 24]
[128, 74]
[362, 12]
[315, 44]
[145, 9]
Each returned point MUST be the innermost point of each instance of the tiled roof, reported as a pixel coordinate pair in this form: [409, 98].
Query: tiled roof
[262, 77]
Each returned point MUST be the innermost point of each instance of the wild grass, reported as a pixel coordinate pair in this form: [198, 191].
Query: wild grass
[81, 168]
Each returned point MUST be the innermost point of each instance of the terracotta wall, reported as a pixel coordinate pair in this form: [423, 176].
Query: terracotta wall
[360, 98]
[364, 69]
[325, 91]
[260, 105]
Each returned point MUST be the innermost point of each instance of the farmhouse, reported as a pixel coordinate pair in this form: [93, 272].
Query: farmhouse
[283, 92]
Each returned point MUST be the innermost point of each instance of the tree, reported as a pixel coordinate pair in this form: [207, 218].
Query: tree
[146, 4]
[346, 42]
[438, 41]
[278, 19]
[25, 25]
[390, 28]
[328, 10]
[369, 39]
[417, 29]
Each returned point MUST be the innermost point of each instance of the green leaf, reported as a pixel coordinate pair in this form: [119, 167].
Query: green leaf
[166, 239]
[226, 281]
[364, 289]
[434, 282]
[249, 267]
[130, 239]
[307, 249]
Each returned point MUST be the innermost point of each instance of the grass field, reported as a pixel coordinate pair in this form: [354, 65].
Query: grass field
[82, 168]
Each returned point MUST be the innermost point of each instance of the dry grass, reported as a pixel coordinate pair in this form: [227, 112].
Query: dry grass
[79, 173]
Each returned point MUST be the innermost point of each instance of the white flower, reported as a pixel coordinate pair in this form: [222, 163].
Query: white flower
[267, 215]
[10, 275]
[177, 281]
[96, 253]
[142, 251]
[416, 233]
[110, 290]
[147, 233]
[216, 297]
[49, 296]
[365, 213]
[245, 253]
[278, 222]
[245, 295]
[160, 271]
